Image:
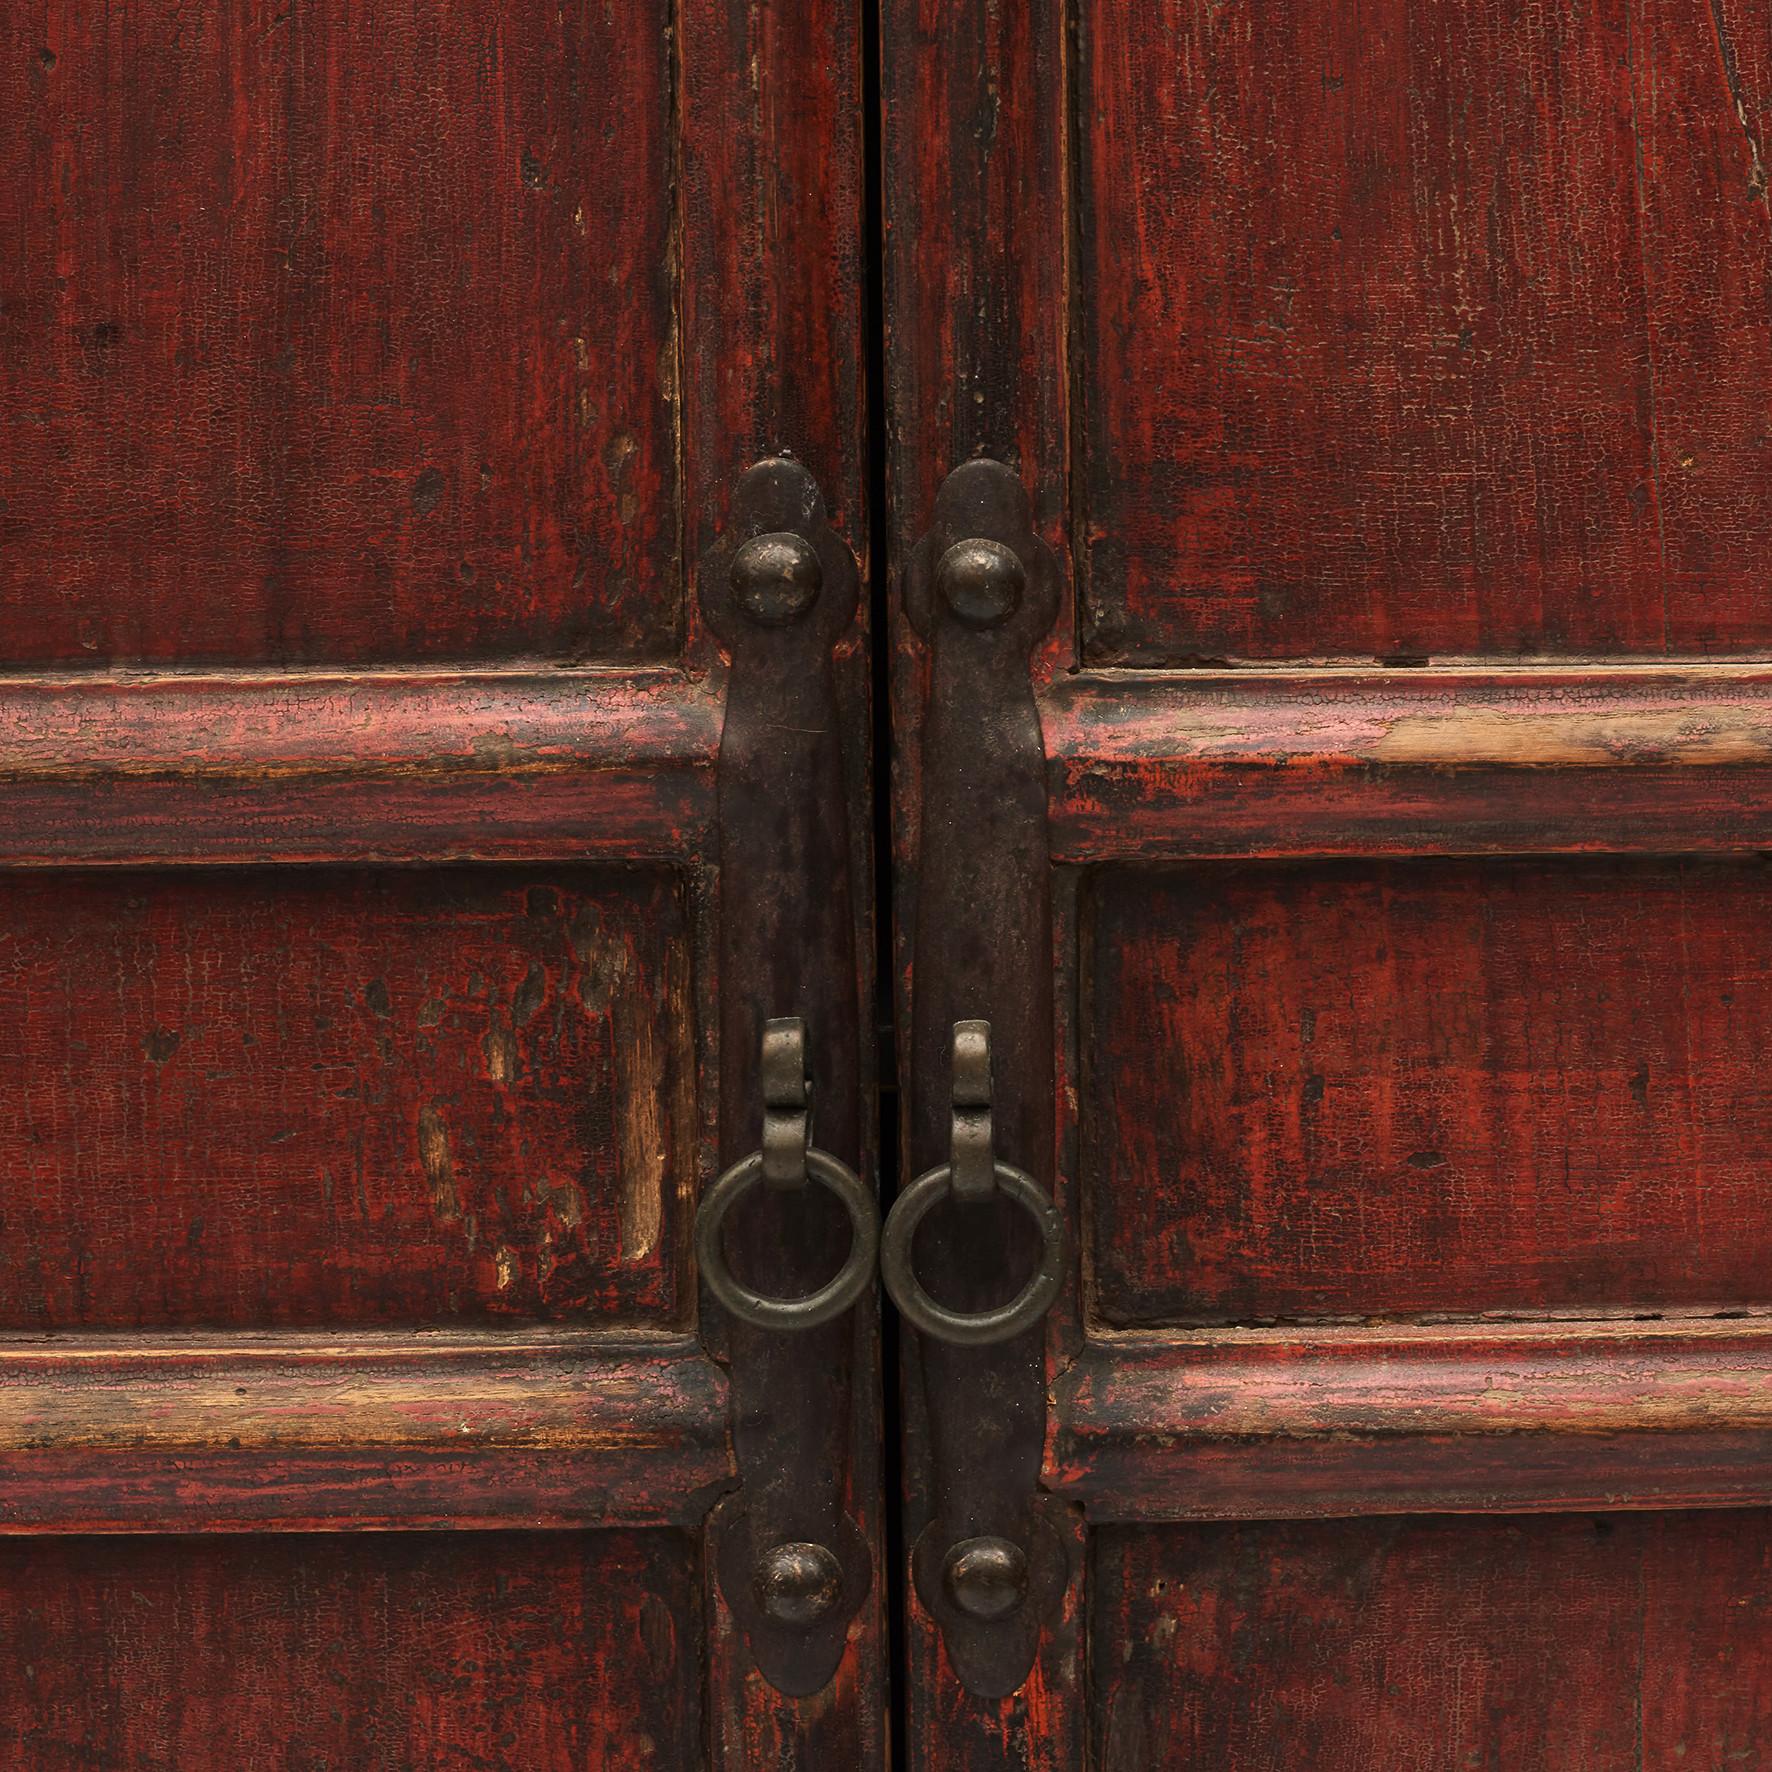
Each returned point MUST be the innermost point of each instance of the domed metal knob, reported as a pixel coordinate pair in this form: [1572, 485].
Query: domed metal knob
[797, 1584]
[776, 578]
[981, 581]
[987, 1578]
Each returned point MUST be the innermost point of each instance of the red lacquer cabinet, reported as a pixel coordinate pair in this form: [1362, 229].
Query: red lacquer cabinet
[1138, 628]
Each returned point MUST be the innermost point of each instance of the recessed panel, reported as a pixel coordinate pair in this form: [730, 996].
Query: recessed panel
[338, 331]
[1375, 1090]
[1424, 329]
[496, 1651]
[285, 1097]
[1556, 1644]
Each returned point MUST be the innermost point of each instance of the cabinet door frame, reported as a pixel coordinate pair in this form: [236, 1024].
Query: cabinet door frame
[509, 762]
[1157, 766]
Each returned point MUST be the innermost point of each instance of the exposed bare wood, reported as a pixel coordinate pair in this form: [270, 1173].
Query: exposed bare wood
[1268, 1424]
[356, 1430]
[1146, 766]
[395, 766]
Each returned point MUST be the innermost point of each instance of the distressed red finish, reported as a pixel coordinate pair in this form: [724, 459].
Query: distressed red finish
[387, 373]
[1395, 1088]
[401, 767]
[1544, 1645]
[527, 1652]
[454, 1095]
[1148, 765]
[1412, 1418]
[1423, 330]
[337, 333]
[369, 1429]
[1411, 426]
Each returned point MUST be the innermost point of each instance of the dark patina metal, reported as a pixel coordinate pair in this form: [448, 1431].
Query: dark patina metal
[972, 1174]
[797, 1164]
[779, 591]
[981, 589]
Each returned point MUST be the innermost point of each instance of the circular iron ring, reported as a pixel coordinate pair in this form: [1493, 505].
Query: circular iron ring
[759, 1308]
[971, 1328]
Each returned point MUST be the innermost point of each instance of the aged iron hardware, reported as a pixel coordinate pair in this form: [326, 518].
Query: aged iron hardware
[793, 1562]
[989, 1567]
[787, 1162]
[971, 1175]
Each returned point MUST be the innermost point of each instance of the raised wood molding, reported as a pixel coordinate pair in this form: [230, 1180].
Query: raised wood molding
[301, 1431]
[1284, 1424]
[1149, 766]
[587, 765]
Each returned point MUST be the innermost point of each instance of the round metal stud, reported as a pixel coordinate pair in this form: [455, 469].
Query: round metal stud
[776, 578]
[981, 581]
[987, 1578]
[797, 1583]
[971, 1328]
[831, 1299]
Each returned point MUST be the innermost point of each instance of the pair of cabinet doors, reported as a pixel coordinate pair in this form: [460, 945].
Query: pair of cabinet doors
[1295, 800]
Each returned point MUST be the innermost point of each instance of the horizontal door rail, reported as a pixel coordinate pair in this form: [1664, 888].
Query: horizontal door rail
[1272, 1424]
[392, 766]
[1147, 766]
[305, 1431]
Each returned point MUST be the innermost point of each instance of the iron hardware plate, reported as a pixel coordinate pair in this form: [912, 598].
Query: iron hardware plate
[779, 591]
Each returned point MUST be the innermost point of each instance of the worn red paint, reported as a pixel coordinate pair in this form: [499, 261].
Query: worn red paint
[1397, 335]
[527, 1652]
[1365, 1090]
[420, 355]
[336, 333]
[1289, 1423]
[243, 1100]
[1149, 766]
[357, 1430]
[1415, 331]
[1617, 1640]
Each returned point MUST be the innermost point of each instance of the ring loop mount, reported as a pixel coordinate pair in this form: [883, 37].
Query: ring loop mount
[971, 1328]
[760, 1308]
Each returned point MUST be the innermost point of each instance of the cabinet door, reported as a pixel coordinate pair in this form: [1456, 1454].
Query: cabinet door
[1390, 380]
[375, 377]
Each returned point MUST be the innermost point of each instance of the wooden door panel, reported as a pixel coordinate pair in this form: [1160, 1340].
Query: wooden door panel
[408, 1651]
[1436, 1644]
[337, 333]
[1422, 331]
[375, 381]
[254, 1098]
[1366, 1090]
[1390, 378]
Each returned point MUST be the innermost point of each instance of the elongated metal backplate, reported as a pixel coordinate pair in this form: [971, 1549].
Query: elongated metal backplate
[779, 592]
[981, 590]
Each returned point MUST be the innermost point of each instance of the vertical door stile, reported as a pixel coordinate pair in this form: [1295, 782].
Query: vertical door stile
[794, 1565]
[976, 179]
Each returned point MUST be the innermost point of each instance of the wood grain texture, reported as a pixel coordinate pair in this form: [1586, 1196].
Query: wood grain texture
[1429, 1645]
[1371, 1090]
[249, 1098]
[386, 766]
[771, 199]
[1526, 760]
[524, 1652]
[975, 170]
[1287, 1423]
[357, 1431]
[1416, 330]
[773, 334]
[336, 333]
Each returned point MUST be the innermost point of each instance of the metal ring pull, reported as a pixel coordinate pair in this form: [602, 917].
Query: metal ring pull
[973, 1173]
[786, 1162]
